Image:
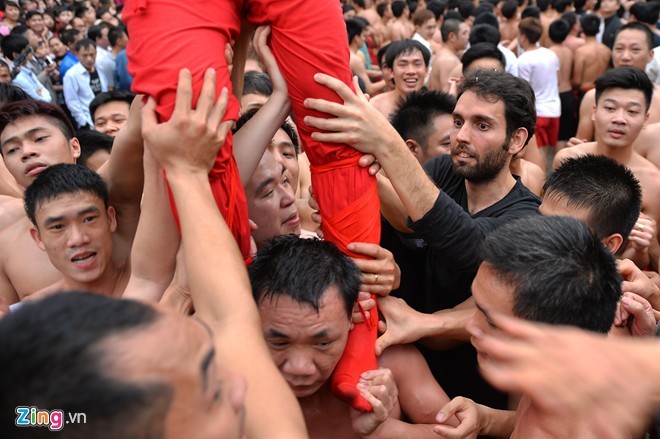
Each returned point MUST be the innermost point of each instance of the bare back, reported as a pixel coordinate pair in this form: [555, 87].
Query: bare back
[565, 56]
[443, 63]
[647, 143]
[591, 61]
[386, 102]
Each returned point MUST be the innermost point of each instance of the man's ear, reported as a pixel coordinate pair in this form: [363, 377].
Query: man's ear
[613, 242]
[518, 140]
[593, 112]
[414, 147]
[36, 236]
[112, 217]
[74, 144]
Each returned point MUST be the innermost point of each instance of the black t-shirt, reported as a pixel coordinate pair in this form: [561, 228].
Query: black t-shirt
[439, 261]
[95, 82]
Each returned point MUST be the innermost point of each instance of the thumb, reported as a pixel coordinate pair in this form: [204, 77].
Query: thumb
[449, 410]
[149, 119]
[383, 342]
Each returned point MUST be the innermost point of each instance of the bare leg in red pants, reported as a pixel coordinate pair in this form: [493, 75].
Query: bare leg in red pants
[308, 36]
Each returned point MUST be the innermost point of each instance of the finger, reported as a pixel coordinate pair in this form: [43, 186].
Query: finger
[368, 249]
[358, 91]
[384, 341]
[346, 138]
[374, 169]
[447, 432]
[229, 56]
[334, 84]
[207, 95]
[449, 410]
[218, 111]
[183, 102]
[368, 304]
[367, 160]
[626, 268]
[323, 106]
[149, 118]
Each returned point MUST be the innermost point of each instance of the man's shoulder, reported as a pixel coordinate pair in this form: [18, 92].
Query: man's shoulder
[575, 151]
[11, 212]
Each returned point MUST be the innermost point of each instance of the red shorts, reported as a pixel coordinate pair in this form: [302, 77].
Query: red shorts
[547, 131]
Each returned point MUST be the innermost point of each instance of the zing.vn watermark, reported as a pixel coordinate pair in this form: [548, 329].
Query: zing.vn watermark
[53, 419]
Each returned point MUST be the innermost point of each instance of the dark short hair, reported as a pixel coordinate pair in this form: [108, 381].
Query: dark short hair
[646, 13]
[85, 43]
[558, 30]
[416, 112]
[635, 25]
[487, 18]
[257, 83]
[110, 96]
[449, 26]
[480, 51]
[465, 8]
[96, 31]
[543, 5]
[31, 14]
[509, 9]
[530, 11]
[11, 93]
[303, 269]
[20, 29]
[80, 10]
[516, 94]
[405, 47]
[590, 24]
[68, 36]
[398, 6]
[627, 78]
[354, 28]
[92, 141]
[382, 56]
[559, 270]
[484, 33]
[52, 355]
[438, 7]
[32, 107]
[561, 5]
[13, 43]
[286, 127]
[570, 18]
[115, 33]
[607, 189]
[62, 179]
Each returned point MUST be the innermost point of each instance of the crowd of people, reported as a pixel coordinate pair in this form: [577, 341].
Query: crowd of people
[325, 218]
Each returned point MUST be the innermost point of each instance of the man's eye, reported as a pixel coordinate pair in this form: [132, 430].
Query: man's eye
[458, 123]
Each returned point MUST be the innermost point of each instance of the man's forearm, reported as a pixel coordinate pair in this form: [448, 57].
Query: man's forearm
[496, 423]
[449, 329]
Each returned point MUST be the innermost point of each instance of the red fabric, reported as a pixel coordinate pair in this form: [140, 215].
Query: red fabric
[308, 36]
[168, 35]
[547, 131]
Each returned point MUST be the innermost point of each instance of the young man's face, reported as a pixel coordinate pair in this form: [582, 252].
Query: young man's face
[5, 76]
[491, 295]
[409, 72]
[75, 230]
[439, 141]
[631, 49]
[271, 201]
[31, 144]
[65, 17]
[12, 12]
[178, 352]
[619, 116]
[79, 24]
[479, 142]
[609, 7]
[87, 57]
[305, 344]
[57, 47]
[463, 36]
[284, 151]
[36, 23]
[427, 29]
[111, 117]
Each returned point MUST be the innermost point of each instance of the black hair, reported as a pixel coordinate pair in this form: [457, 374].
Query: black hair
[286, 127]
[438, 7]
[96, 31]
[627, 78]
[449, 26]
[558, 30]
[52, 355]
[257, 83]
[13, 44]
[559, 270]
[31, 14]
[452, 15]
[303, 269]
[509, 9]
[646, 13]
[80, 10]
[115, 33]
[481, 51]
[530, 11]
[360, 3]
[381, 8]
[405, 47]
[85, 43]
[20, 29]
[570, 18]
[60, 179]
[516, 94]
[579, 5]
[635, 25]
[484, 33]
[11, 93]
[354, 28]
[562, 5]
[110, 96]
[32, 107]
[607, 189]
[465, 8]
[487, 18]
[416, 112]
[398, 7]
[92, 141]
[543, 5]
[590, 24]
[69, 36]
[382, 56]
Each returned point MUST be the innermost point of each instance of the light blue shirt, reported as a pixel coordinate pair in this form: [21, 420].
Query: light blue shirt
[30, 84]
[78, 93]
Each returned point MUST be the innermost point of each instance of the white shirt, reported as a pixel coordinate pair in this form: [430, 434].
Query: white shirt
[539, 67]
[27, 80]
[511, 60]
[78, 93]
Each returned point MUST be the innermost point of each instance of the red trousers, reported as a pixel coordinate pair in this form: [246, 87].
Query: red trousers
[308, 36]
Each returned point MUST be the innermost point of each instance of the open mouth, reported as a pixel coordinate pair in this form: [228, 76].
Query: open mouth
[83, 259]
[34, 169]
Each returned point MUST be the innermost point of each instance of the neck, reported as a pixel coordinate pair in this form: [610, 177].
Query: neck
[106, 284]
[483, 195]
[116, 50]
[621, 154]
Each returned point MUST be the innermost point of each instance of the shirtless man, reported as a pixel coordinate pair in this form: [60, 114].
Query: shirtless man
[365, 8]
[509, 20]
[623, 99]
[568, 121]
[356, 39]
[409, 61]
[592, 58]
[33, 136]
[573, 39]
[305, 290]
[633, 44]
[455, 36]
[381, 31]
[548, 15]
[400, 27]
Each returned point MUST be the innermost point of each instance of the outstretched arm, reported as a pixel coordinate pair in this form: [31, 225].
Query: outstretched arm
[216, 272]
